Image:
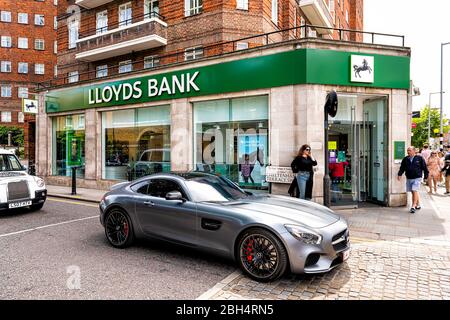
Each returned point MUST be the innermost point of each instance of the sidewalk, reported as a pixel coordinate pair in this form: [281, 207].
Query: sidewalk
[90, 195]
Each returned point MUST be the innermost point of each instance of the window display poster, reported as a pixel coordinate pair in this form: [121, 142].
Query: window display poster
[252, 158]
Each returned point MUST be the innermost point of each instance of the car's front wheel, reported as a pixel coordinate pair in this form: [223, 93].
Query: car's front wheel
[262, 255]
[118, 228]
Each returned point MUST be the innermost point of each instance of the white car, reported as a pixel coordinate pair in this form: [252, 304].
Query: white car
[17, 188]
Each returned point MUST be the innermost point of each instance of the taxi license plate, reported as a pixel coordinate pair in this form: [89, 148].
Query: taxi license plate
[19, 204]
[345, 255]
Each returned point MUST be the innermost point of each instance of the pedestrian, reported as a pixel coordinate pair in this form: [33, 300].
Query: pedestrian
[434, 169]
[426, 152]
[246, 169]
[302, 166]
[414, 168]
[446, 171]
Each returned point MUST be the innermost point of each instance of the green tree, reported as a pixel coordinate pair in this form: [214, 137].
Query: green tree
[16, 136]
[420, 132]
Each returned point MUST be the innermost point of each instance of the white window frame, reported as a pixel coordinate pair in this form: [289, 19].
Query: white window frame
[241, 45]
[5, 16]
[21, 16]
[55, 70]
[55, 22]
[101, 22]
[346, 16]
[37, 44]
[6, 41]
[55, 46]
[150, 7]
[124, 65]
[6, 91]
[303, 29]
[242, 4]
[20, 117]
[22, 92]
[192, 7]
[151, 62]
[39, 68]
[73, 34]
[38, 18]
[275, 11]
[22, 43]
[193, 53]
[21, 66]
[125, 14]
[6, 66]
[101, 71]
[6, 115]
[55, 2]
[73, 77]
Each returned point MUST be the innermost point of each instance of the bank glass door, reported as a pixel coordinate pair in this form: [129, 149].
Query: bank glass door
[357, 153]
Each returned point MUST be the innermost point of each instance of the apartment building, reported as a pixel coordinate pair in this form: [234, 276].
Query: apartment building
[151, 86]
[27, 57]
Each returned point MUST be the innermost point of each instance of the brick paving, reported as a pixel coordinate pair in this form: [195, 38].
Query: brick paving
[395, 255]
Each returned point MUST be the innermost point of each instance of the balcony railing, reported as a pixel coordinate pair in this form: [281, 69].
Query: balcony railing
[317, 13]
[223, 48]
[135, 34]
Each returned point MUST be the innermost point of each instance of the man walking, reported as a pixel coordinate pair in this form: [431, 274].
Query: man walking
[414, 167]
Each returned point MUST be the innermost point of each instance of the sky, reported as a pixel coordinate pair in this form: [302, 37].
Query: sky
[425, 25]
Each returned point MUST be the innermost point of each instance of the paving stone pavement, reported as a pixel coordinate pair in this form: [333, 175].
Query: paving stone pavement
[395, 255]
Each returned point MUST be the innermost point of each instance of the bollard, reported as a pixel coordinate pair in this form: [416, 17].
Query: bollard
[74, 180]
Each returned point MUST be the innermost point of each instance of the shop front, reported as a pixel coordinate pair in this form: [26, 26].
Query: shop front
[238, 116]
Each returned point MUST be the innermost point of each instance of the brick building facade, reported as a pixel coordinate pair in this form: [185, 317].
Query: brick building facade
[28, 57]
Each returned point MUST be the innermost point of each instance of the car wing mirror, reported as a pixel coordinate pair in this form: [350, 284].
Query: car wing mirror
[174, 195]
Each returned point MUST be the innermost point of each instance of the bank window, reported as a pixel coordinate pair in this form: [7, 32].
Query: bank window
[6, 16]
[39, 44]
[151, 8]
[6, 91]
[68, 140]
[73, 34]
[6, 66]
[125, 14]
[39, 68]
[22, 67]
[6, 42]
[39, 19]
[125, 66]
[192, 7]
[151, 62]
[6, 116]
[102, 71]
[242, 4]
[22, 43]
[136, 142]
[231, 139]
[22, 92]
[275, 11]
[193, 53]
[22, 18]
[20, 117]
[73, 76]
[102, 22]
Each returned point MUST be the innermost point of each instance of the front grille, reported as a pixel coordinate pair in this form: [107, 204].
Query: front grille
[18, 190]
[312, 259]
[340, 240]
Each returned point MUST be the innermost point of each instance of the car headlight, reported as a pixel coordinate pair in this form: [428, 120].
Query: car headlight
[304, 235]
[39, 182]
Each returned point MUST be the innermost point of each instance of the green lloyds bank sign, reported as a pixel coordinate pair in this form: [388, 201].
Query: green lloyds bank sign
[302, 66]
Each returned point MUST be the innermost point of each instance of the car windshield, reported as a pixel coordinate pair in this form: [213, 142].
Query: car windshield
[214, 189]
[9, 162]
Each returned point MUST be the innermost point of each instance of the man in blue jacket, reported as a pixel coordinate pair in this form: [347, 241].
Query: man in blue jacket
[414, 167]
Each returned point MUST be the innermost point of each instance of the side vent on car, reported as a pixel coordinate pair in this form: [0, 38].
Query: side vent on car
[209, 224]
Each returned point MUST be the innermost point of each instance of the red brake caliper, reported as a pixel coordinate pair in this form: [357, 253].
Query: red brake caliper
[249, 251]
[125, 228]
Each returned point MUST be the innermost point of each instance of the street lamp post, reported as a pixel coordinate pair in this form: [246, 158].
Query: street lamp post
[441, 131]
[429, 115]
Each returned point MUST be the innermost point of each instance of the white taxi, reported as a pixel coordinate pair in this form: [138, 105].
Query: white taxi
[17, 188]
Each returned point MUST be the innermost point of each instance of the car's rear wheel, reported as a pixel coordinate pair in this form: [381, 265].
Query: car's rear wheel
[262, 255]
[118, 228]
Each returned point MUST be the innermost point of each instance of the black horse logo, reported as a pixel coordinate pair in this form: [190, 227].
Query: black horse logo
[365, 67]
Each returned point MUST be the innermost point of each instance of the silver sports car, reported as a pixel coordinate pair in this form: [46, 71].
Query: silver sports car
[266, 234]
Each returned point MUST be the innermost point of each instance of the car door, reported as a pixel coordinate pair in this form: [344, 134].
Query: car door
[173, 220]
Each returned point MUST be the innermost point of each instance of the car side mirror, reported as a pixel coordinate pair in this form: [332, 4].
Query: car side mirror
[174, 195]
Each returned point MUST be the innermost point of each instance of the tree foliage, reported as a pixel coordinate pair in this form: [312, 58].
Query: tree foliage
[420, 132]
[16, 136]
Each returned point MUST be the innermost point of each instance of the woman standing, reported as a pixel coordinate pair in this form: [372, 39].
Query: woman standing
[434, 167]
[302, 166]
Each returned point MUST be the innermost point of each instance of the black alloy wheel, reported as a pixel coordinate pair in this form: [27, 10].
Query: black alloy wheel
[118, 229]
[262, 255]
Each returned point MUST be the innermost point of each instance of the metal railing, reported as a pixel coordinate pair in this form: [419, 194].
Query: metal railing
[227, 47]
